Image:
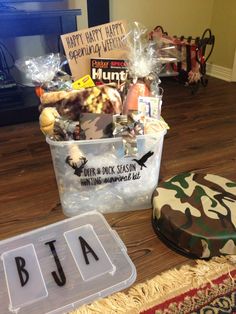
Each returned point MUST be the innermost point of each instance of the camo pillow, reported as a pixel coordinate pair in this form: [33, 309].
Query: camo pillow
[196, 214]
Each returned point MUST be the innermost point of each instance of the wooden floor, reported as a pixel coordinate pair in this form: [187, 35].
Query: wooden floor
[202, 138]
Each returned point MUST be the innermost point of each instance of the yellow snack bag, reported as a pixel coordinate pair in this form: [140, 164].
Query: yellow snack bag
[83, 82]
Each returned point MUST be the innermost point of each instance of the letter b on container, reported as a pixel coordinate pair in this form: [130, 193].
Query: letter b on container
[24, 278]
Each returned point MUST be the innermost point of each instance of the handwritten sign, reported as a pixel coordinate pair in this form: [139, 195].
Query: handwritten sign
[100, 41]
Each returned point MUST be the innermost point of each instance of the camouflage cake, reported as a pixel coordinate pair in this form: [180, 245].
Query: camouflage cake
[196, 214]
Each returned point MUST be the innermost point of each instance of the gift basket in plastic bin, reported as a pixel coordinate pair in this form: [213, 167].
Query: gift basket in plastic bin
[104, 179]
[105, 138]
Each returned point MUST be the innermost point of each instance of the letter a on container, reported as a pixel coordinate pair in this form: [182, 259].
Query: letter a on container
[88, 252]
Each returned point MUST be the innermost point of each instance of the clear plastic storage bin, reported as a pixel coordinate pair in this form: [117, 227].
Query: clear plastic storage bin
[57, 268]
[96, 175]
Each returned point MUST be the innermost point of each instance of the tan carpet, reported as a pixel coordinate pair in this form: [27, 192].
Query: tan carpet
[190, 289]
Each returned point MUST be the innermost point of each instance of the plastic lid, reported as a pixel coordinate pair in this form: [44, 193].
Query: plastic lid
[57, 268]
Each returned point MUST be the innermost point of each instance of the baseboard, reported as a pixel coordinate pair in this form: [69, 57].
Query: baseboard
[219, 72]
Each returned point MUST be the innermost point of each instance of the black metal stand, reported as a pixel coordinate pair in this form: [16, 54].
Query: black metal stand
[190, 44]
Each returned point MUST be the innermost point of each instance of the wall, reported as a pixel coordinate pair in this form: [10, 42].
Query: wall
[189, 17]
[223, 25]
[180, 17]
[82, 20]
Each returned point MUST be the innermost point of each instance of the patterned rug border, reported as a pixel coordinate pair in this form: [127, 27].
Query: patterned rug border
[197, 298]
[168, 286]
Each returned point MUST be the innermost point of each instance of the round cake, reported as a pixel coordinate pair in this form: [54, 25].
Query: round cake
[195, 214]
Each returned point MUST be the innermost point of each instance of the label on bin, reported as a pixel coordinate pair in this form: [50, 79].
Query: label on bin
[88, 252]
[24, 277]
[106, 174]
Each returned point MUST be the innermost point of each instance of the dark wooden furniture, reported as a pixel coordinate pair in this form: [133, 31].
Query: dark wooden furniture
[28, 23]
[15, 23]
[98, 12]
[201, 139]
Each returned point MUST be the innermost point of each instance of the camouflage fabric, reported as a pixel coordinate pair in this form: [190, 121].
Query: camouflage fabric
[196, 213]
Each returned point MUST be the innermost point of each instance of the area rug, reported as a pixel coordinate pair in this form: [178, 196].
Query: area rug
[205, 288]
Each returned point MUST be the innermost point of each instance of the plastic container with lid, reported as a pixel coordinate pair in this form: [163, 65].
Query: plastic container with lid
[57, 268]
